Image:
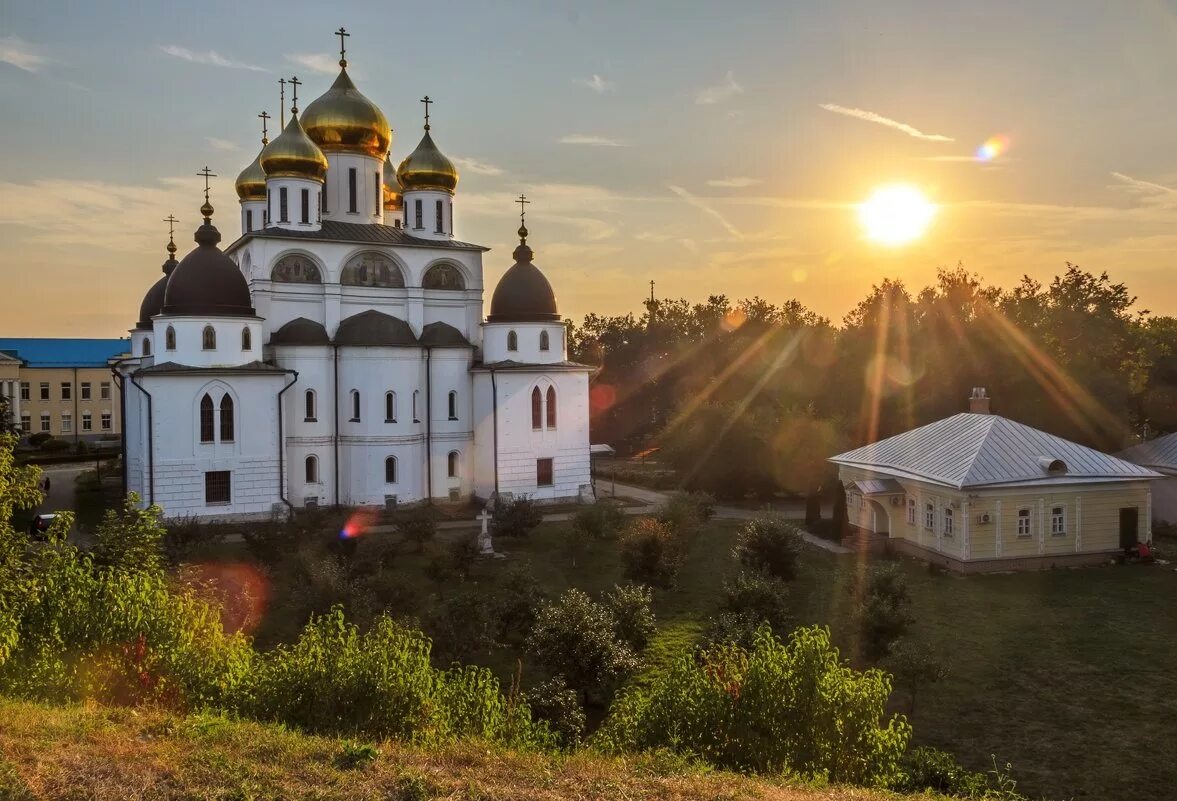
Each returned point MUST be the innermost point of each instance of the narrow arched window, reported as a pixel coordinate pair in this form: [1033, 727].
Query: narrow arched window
[416, 417]
[512, 341]
[312, 469]
[208, 338]
[246, 339]
[147, 347]
[355, 405]
[452, 464]
[390, 407]
[551, 407]
[169, 338]
[453, 405]
[226, 418]
[537, 409]
[544, 343]
[390, 470]
[309, 403]
[206, 419]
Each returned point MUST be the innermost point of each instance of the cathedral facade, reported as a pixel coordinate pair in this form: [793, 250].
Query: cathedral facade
[337, 351]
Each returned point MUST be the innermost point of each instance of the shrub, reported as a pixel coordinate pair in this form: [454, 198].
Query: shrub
[515, 604]
[683, 512]
[557, 704]
[184, 536]
[751, 600]
[633, 621]
[461, 626]
[771, 545]
[923, 769]
[353, 755]
[55, 446]
[269, 541]
[914, 665]
[882, 612]
[599, 521]
[418, 526]
[793, 708]
[516, 517]
[651, 552]
[40, 438]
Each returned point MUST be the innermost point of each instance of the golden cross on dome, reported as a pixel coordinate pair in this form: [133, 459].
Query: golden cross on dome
[295, 82]
[282, 103]
[426, 101]
[171, 221]
[523, 202]
[265, 134]
[342, 33]
[206, 173]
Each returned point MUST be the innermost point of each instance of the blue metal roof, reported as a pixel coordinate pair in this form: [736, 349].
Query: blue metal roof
[65, 352]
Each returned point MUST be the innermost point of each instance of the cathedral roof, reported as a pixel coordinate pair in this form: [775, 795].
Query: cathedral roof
[294, 155]
[374, 328]
[174, 368]
[358, 234]
[443, 335]
[523, 294]
[343, 120]
[300, 331]
[207, 282]
[427, 168]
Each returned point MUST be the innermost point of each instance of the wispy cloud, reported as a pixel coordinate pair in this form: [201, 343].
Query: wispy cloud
[315, 62]
[21, 54]
[879, 119]
[222, 144]
[597, 84]
[721, 92]
[706, 208]
[594, 141]
[1148, 193]
[477, 167]
[733, 183]
[209, 57]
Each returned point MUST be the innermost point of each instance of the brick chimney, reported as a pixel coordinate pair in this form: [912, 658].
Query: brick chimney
[979, 401]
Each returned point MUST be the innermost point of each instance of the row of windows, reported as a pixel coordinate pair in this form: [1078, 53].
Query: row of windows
[439, 221]
[67, 390]
[67, 422]
[390, 406]
[208, 339]
[513, 341]
[1058, 519]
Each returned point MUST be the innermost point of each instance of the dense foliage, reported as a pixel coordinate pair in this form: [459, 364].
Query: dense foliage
[770, 545]
[884, 610]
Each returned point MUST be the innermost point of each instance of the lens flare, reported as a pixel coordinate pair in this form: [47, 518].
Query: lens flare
[993, 147]
[358, 524]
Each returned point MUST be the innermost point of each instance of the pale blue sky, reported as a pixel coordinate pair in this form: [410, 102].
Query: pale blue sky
[726, 173]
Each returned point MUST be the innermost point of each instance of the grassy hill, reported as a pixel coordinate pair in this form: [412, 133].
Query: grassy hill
[101, 753]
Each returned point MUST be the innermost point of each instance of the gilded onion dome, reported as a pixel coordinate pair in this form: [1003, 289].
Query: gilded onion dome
[342, 120]
[427, 168]
[392, 187]
[251, 183]
[293, 155]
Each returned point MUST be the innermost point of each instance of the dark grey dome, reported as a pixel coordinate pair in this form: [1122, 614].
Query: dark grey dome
[443, 335]
[523, 294]
[207, 283]
[153, 301]
[374, 328]
[300, 331]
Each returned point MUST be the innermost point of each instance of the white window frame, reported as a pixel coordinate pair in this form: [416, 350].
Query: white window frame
[911, 511]
[87, 421]
[1058, 521]
[930, 516]
[46, 424]
[67, 423]
[107, 421]
[949, 518]
[1028, 519]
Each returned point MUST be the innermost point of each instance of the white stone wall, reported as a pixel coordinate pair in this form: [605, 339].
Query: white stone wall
[496, 336]
[294, 188]
[189, 349]
[428, 229]
[369, 177]
[258, 209]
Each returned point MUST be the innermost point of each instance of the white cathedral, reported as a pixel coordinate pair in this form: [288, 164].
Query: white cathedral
[337, 353]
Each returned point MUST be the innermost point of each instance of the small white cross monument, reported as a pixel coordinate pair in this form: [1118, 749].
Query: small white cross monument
[485, 545]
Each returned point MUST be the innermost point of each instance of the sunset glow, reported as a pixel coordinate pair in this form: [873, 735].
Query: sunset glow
[896, 214]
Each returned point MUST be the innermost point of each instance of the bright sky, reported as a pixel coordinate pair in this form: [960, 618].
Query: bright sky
[711, 147]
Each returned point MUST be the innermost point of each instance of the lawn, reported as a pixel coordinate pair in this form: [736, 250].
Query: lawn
[1069, 675]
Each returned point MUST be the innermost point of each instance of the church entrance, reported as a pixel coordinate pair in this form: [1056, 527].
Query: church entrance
[880, 518]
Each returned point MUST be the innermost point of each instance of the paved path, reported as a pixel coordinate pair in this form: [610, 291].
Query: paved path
[61, 497]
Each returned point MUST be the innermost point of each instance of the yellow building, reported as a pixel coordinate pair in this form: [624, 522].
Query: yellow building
[976, 492]
[63, 387]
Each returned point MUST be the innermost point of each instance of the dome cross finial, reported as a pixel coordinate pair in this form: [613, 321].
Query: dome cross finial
[427, 101]
[207, 208]
[282, 103]
[265, 117]
[522, 201]
[171, 221]
[342, 34]
[295, 82]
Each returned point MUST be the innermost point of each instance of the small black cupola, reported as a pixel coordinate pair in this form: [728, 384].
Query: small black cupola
[523, 294]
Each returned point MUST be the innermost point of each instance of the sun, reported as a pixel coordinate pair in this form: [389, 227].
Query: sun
[896, 214]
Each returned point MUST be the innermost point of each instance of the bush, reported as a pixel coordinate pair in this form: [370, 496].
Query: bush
[461, 626]
[516, 604]
[684, 512]
[770, 545]
[558, 705]
[924, 769]
[914, 665]
[633, 621]
[651, 552]
[54, 446]
[418, 526]
[882, 612]
[793, 708]
[751, 600]
[599, 521]
[40, 438]
[183, 536]
[515, 518]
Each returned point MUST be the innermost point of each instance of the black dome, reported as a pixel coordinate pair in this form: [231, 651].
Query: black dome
[374, 328]
[153, 301]
[207, 283]
[300, 331]
[523, 294]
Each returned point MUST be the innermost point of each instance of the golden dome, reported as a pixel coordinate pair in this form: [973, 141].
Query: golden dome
[343, 120]
[251, 183]
[392, 187]
[427, 168]
[294, 155]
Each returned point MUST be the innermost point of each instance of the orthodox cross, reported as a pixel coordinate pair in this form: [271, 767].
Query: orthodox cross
[651, 291]
[206, 173]
[265, 135]
[282, 103]
[171, 221]
[523, 202]
[426, 101]
[295, 82]
[342, 33]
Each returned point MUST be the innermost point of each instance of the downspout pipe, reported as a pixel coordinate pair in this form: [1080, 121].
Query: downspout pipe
[429, 423]
[150, 443]
[494, 421]
[282, 445]
[118, 380]
[335, 431]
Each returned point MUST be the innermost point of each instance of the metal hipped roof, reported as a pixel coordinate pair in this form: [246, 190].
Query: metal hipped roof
[980, 450]
[1159, 453]
[879, 486]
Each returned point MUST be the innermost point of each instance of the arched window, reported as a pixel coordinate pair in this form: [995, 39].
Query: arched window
[206, 419]
[416, 417]
[443, 276]
[309, 403]
[372, 269]
[452, 464]
[355, 405]
[226, 418]
[246, 339]
[208, 338]
[147, 347]
[312, 470]
[296, 269]
[390, 407]
[453, 405]
[537, 409]
[512, 341]
[551, 407]
[169, 338]
[544, 343]
[390, 470]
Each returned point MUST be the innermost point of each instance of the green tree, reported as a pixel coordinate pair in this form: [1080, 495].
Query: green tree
[883, 611]
[751, 600]
[651, 552]
[516, 517]
[770, 545]
[914, 665]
